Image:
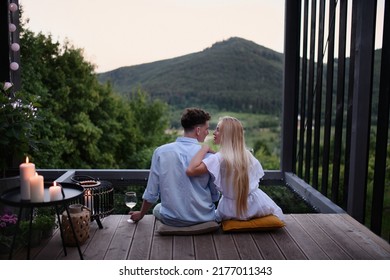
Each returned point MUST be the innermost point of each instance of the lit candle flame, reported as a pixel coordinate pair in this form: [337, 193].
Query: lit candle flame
[26, 159]
[55, 183]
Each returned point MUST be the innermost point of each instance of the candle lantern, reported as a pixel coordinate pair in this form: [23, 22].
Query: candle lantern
[98, 197]
[80, 219]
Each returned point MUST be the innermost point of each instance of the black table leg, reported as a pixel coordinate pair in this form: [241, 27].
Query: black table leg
[61, 232]
[74, 232]
[99, 222]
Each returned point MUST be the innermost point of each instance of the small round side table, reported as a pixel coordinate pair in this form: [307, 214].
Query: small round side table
[70, 192]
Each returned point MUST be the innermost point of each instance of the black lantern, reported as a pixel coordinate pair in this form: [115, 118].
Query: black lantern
[98, 197]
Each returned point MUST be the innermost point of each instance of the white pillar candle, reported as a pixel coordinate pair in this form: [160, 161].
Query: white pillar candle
[36, 188]
[55, 192]
[26, 170]
[88, 200]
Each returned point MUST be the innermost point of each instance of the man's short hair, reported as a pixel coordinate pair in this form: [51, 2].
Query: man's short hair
[192, 117]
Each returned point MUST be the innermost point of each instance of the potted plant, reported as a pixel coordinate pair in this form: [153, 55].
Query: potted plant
[43, 225]
[46, 223]
[35, 235]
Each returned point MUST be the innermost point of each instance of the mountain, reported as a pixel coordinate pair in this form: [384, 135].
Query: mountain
[235, 74]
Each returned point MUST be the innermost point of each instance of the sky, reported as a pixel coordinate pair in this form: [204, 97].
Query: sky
[130, 32]
[121, 33]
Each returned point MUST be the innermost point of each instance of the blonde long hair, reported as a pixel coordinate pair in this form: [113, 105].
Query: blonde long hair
[236, 158]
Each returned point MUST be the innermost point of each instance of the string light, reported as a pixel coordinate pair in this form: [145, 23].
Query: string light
[15, 47]
[14, 66]
[12, 27]
[13, 7]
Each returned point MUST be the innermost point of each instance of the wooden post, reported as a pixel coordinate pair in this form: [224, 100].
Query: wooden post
[291, 84]
[361, 108]
[4, 42]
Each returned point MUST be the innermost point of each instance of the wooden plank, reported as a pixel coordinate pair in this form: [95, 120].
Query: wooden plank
[72, 252]
[183, 247]
[246, 246]
[161, 246]
[313, 236]
[267, 246]
[309, 247]
[364, 241]
[287, 245]
[341, 238]
[225, 246]
[42, 252]
[121, 242]
[377, 239]
[328, 245]
[54, 251]
[204, 247]
[140, 250]
[97, 246]
[102, 239]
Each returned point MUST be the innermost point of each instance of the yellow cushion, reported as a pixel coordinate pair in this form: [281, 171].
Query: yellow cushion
[263, 223]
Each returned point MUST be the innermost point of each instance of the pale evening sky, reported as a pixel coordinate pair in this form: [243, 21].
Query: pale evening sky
[130, 32]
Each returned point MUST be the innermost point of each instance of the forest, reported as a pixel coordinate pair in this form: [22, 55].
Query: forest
[235, 75]
[64, 118]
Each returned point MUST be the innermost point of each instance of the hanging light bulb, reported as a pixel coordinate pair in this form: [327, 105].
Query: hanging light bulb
[7, 85]
[12, 27]
[15, 47]
[13, 7]
[14, 66]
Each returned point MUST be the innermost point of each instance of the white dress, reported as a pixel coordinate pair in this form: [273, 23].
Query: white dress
[259, 203]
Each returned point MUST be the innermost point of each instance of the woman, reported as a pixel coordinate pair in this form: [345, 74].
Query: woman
[236, 173]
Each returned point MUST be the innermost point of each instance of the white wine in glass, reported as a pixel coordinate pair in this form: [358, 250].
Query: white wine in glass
[131, 201]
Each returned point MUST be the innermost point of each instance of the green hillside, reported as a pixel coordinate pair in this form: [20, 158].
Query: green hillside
[235, 74]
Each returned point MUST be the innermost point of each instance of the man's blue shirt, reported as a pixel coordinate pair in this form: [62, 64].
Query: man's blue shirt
[184, 201]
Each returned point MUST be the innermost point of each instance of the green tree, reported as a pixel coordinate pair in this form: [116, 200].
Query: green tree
[268, 160]
[17, 119]
[84, 124]
[151, 121]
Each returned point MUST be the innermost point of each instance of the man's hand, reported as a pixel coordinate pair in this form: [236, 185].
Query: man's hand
[136, 216]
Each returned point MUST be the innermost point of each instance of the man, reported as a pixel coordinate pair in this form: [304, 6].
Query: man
[185, 201]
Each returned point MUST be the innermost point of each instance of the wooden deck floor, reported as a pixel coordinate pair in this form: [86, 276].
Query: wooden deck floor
[306, 236]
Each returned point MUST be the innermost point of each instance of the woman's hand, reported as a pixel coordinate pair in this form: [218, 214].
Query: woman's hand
[196, 166]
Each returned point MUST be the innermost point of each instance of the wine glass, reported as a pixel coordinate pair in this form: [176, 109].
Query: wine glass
[131, 201]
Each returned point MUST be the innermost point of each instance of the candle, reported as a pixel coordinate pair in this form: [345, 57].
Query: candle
[55, 192]
[26, 169]
[88, 200]
[36, 188]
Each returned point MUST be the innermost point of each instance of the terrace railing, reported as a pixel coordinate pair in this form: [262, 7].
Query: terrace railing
[120, 178]
[336, 115]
